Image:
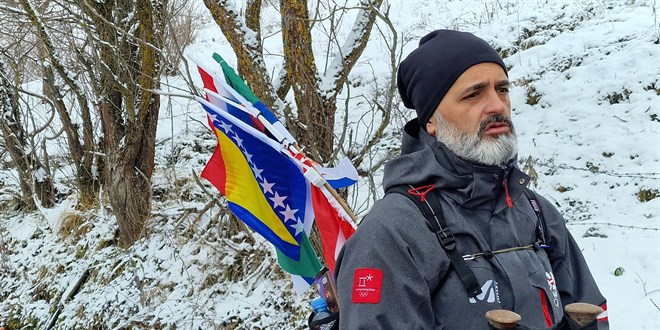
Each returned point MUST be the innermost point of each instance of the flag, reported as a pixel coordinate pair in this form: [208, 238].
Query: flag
[218, 86]
[333, 228]
[263, 187]
[241, 92]
[232, 94]
[340, 176]
[208, 79]
[301, 267]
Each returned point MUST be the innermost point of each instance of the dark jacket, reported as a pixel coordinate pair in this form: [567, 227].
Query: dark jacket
[419, 288]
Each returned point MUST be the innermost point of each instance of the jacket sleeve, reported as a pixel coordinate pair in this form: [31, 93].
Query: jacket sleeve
[572, 275]
[380, 244]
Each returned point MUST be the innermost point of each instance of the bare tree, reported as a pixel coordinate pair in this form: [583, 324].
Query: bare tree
[33, 177]
[315, 93]
[127, 44]
[107, 55]
[54, 69]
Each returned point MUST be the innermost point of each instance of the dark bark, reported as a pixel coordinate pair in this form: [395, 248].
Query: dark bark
[315, 112]
[130, 116]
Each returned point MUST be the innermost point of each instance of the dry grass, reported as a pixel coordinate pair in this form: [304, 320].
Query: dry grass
[72, 225]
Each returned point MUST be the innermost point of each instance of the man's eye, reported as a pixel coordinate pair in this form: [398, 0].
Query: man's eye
[503, 90]
[471, 96]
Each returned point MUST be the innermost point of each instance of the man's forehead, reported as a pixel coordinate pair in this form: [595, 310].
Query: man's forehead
[481, 75]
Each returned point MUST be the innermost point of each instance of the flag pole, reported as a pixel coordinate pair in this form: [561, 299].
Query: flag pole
[341, 202]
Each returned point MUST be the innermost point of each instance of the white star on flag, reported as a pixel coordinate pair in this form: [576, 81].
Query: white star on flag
[226, 127]
[239, 141]
[268, 187]
[257, 172]
[213, 116]
[278, 201]
[248, 157]
[288, 213]
[298, 226]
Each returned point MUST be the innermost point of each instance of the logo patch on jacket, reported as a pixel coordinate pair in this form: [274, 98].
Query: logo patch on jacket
[553, 287]
[367, 284]
[490, 293]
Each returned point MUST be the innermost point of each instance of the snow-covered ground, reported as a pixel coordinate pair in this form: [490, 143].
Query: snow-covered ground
[586, 108]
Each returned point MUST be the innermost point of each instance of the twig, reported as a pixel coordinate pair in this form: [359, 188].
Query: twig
[654, 304]
[612, 224]
[623, 120]
[644, 287]
[647, 175]
[71, 291]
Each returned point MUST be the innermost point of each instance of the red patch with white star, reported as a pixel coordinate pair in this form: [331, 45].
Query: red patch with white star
[367, 284]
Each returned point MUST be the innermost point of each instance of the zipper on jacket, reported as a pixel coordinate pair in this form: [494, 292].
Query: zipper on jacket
[509, 201]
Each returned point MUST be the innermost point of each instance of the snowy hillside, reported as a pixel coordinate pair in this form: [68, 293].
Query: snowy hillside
[586, 106]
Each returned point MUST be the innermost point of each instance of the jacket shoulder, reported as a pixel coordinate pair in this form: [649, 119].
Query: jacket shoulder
[394, 227]
[394, 213]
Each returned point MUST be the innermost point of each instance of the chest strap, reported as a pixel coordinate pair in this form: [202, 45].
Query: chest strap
[432, 211]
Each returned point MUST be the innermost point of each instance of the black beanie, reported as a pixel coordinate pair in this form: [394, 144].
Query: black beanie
[426, 75]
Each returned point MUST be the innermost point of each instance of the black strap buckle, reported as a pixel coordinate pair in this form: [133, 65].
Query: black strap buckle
[446, 238]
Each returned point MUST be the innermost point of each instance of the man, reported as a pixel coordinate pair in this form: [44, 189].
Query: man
[393, 272]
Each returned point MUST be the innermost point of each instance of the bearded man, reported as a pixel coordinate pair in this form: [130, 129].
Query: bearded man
[488, 242]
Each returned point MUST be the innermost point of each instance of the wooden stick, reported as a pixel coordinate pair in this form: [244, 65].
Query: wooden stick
[341, 202]
[69, 293]
[502, 319]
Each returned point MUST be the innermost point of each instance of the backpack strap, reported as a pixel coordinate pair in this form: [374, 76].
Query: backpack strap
[541, 227]
[432, 211]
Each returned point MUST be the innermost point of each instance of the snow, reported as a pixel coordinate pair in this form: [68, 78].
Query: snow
[592, 136]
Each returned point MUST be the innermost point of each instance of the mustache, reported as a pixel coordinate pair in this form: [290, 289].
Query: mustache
[494, 119]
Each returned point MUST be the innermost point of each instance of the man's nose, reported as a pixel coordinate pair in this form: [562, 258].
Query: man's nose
[496, 103]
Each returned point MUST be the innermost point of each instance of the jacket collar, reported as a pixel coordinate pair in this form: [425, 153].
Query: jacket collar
[424, 161]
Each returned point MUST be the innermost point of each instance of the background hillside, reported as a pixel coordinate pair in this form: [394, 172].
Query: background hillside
[586, 105]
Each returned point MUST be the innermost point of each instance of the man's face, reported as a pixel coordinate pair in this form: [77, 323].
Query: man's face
[473, 118]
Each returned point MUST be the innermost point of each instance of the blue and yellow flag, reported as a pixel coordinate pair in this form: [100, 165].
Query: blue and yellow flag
[263, 186]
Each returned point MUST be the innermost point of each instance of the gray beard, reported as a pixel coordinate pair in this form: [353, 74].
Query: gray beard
[492, 151]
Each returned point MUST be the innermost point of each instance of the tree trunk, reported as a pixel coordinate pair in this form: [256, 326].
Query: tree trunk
[26, 163]
[128, 200]
[12, 136]
[86, 180]
[81, 153]
[314, 112]
[131, 146]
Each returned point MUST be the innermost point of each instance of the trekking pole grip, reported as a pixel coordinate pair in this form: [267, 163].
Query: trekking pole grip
[502, 319]
[583, 313]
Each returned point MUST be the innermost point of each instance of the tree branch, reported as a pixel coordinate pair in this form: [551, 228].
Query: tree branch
[248, 48]
[253, 20]
[354, 45]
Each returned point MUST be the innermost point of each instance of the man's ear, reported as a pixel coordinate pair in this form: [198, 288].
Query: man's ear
[430, 127]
